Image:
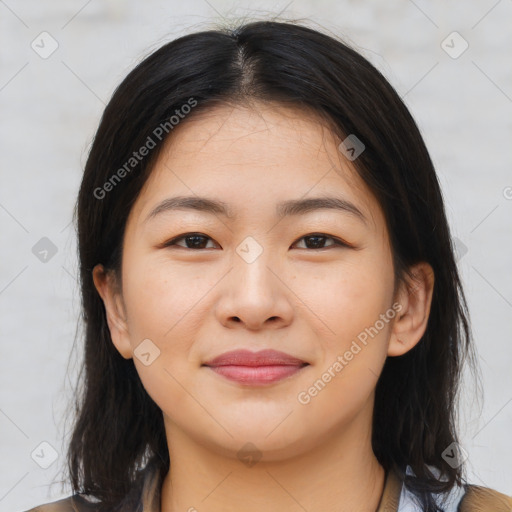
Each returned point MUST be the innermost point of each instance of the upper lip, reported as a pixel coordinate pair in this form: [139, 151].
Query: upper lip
[262, 358]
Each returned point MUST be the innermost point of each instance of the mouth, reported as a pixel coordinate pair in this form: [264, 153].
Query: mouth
[257, 375]
[256, 368]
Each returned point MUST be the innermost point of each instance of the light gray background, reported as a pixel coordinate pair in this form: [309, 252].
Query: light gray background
[50, 109]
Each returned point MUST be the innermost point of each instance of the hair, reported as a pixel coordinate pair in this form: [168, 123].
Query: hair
[118, 428]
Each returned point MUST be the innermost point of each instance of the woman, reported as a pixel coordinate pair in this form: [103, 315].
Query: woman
[274, 317]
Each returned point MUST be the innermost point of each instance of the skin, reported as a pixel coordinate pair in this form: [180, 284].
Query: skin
[310, 301]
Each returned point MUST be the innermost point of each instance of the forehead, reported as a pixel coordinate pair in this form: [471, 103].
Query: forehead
[254, 153]
[265, 130]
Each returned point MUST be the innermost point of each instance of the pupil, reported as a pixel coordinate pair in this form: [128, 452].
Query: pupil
[195, 237]
[315, 238]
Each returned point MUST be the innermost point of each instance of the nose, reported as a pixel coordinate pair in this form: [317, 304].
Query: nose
[255, 294]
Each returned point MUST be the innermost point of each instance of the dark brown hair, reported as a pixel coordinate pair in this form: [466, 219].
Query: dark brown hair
[118, 427]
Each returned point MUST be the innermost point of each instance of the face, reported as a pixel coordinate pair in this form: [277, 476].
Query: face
[315, 283]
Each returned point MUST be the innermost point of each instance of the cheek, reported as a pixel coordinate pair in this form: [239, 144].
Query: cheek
[353, 353]
[162, 299]
[162, 306]
[346, 298]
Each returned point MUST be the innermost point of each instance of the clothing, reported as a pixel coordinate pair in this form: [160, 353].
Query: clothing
[395, 498]
[450, 503]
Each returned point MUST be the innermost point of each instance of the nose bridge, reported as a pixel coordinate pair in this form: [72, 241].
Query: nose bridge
[254, 290]
[253, 294]
[250, 250]
[252, 262]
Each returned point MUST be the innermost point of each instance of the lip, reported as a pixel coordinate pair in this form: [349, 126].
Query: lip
[256, 368]
[267, 357]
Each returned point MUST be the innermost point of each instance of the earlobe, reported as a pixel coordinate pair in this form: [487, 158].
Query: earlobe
[415, 298]
[114, 310]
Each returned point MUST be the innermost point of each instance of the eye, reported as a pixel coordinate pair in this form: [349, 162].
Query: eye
[195, 240]
[318, 239]
[198, 241]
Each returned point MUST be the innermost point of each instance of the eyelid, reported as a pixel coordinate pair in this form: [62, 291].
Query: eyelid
[338, 242]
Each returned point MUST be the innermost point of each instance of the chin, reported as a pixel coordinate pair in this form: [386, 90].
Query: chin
[268, 439]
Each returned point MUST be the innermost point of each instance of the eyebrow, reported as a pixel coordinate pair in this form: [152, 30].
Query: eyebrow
[283, 209]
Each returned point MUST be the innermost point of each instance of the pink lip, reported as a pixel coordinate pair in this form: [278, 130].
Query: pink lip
[255, 368]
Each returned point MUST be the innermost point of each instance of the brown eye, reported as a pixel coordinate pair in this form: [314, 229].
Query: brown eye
[197, 241]
[317, 241]
[192, 241]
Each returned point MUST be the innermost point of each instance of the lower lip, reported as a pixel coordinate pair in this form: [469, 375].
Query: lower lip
[256, 375]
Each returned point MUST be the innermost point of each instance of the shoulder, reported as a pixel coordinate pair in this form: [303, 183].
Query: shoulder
[143, 495]
[75, 503]
[483, 499]
[466, 498]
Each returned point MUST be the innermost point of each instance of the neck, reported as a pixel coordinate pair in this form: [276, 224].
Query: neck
[341, 474]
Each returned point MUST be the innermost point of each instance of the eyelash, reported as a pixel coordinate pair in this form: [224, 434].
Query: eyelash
[337, 241]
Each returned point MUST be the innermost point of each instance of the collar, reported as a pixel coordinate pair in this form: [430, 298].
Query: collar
[391, 493]
[150, 497]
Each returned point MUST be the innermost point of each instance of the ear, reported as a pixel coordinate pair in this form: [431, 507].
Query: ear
[415, 298]
[108, 289]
